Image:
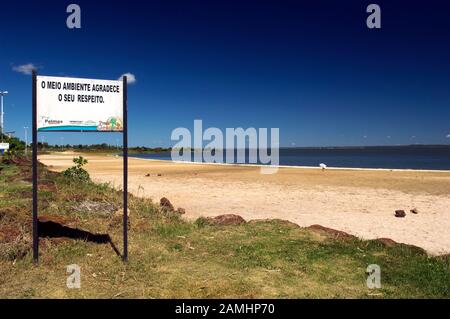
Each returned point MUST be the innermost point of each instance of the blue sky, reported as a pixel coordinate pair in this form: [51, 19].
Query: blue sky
[313, 70]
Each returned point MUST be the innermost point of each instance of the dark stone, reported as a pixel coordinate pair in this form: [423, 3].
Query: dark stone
[400, 213]
[226, 220]
[166, 204]
[333, 232]
[387, 242]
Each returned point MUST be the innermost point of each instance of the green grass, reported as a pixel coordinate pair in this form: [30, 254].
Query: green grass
[171, 258]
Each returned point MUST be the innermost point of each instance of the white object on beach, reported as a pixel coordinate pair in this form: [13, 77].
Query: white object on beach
[322, 165]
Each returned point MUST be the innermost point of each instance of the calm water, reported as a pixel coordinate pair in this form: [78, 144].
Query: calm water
[392, 157]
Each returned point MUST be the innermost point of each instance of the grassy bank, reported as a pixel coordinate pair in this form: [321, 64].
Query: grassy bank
[173, 258]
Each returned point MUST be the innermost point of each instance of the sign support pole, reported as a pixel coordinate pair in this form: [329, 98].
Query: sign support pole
[35, 175]
[125, 169]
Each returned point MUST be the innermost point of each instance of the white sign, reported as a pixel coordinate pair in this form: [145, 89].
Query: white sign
[4, 146]
[75, 104]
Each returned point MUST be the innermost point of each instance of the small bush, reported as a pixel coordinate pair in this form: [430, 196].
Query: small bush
[77, 172]
[201, 222]
[17, 248]
[10, 157]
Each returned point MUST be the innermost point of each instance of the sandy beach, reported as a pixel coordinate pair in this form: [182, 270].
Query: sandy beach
[359, 202]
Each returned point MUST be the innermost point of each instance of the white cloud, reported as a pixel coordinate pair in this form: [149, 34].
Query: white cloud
[25, 68]
[448, 136]
[131, 78]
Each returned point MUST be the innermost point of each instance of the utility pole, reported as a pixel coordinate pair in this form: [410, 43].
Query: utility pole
[2, 94]
[26, 140]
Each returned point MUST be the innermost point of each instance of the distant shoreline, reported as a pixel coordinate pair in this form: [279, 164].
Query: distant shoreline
[298, 166]
[427, 146]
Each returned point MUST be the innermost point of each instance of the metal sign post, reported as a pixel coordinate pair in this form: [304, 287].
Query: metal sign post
[125, 169]
[35, 184]
[71, 129]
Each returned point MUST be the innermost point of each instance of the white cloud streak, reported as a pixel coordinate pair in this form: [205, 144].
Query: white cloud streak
[26, 69]
[131, 78]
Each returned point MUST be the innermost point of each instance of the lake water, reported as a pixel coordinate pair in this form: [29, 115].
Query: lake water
[435, 158]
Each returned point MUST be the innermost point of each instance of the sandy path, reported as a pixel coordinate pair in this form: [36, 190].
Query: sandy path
[361, 202]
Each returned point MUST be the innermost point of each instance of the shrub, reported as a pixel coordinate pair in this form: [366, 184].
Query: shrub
[77, 172]
[17, 248]
[201, 222]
